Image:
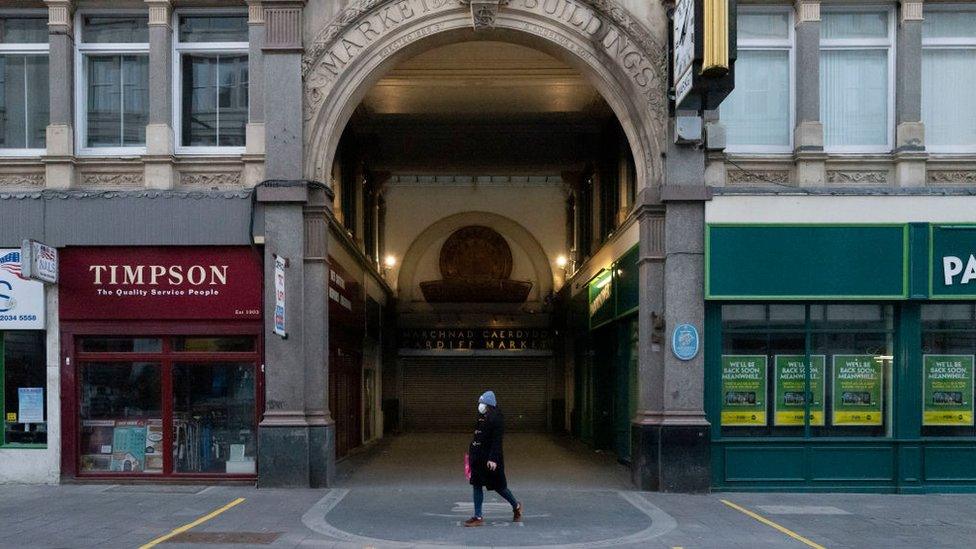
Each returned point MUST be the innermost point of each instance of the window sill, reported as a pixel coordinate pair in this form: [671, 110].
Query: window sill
[15, 446]
[22, 153]
[210, 151]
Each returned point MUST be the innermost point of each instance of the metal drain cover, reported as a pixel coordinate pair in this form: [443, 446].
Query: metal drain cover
[243, 538]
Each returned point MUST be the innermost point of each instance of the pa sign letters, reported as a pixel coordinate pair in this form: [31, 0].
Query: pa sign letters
[952, 268]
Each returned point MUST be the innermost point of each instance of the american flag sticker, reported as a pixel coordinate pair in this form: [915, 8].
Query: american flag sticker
[10, 262]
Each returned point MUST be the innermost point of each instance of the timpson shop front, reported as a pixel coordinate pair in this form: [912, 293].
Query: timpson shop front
[840, 357]
[161, 371]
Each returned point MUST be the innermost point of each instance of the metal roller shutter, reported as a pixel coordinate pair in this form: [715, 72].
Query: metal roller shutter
[441, 394]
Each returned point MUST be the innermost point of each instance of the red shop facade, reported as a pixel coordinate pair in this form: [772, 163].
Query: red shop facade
[161, 370]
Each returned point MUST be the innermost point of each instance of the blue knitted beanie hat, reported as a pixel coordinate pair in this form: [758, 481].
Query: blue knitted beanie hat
[488, 398]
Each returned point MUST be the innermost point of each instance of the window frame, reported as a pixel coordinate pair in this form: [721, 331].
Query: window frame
[760, 44]
[37, 48]
[84, 50]
[887, 44]
[181, 48]
[949, 44]
[4, 445]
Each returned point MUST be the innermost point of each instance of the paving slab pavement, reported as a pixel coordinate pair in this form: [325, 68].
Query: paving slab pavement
[408, 493]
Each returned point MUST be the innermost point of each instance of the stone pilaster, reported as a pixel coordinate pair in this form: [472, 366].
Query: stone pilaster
[59, 160]
[254, 132]
[160, 171]
[910, 152]
[296, 433]
[808, 136]
[283, 80]
[670, 433]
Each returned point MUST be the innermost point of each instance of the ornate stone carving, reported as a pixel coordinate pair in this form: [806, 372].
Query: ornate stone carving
[483, 12]
[255, 12]
[739, 177]
[112, 179]
[807, 11]
[952, 177]
[59, 13]
[911, 11]
[601, 22]
[283, 27]
[159, 12]
[601, 33]
[858, 176]
[208, 180]
[21, 180]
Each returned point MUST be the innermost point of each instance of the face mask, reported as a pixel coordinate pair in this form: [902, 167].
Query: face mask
[482, 407]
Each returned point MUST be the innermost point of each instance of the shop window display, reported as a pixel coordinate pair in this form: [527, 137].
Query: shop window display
[167, 405]
[213, 418]
[799, 370]
[948, 351]
[23, 388]
[121, 417]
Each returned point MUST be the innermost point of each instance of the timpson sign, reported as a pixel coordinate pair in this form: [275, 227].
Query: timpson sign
[146, 283]
[598, 23]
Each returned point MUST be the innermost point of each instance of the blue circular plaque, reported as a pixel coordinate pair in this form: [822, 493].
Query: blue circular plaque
[684, 342]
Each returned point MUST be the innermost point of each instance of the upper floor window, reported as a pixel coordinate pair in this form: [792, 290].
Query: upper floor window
[758, 114]
[211, 76]
[856, 85]
[24, 99]
[948, 79]
[113, 84]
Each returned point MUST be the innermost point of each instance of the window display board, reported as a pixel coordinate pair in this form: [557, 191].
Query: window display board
[857, 385]
[743, 390]
[947, 387]
[162, 376]
[790, 403]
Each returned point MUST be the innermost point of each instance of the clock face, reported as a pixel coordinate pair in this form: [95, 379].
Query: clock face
[684, 37]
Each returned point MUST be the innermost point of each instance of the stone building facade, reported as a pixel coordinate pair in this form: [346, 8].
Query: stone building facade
[344, 142]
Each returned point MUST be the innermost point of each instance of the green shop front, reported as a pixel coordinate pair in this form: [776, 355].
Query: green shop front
[841, 357]
[606, 361]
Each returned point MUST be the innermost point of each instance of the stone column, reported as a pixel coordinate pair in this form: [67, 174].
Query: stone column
[59, 162]
[160, 171]
[283, 80]
[808, 136]
[254, 132]
[297, 434]
[670, 432]
[910, 152]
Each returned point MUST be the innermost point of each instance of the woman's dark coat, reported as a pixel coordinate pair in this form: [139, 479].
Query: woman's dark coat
[487, 446]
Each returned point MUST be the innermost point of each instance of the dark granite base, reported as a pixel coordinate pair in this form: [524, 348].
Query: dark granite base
[671, 458]
[296, 457]
[321, 456]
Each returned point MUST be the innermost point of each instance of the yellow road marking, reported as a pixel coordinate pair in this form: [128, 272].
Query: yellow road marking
[193, 524]
[768, 522]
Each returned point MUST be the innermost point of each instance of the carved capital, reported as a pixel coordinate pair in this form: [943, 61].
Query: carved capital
[807, 11]
[59, 14]
[255, 12]
[483, 12]
[159, 12]
[910, 11]
[283, 25]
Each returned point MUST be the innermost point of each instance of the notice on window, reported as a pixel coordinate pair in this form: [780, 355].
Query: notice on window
[129, 446]
[858, 382]
[947, 389]
[790, 393]
[743, 390]
[30, 404]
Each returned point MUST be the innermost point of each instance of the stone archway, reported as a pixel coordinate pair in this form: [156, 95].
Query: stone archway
[620, 57]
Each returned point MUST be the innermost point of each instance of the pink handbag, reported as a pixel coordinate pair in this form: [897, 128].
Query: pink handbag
[467, 466]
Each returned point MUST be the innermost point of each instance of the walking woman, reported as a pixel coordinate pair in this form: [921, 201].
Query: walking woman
[487, 460]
